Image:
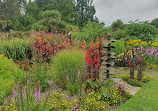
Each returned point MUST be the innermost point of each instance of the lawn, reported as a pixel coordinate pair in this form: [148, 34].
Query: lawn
[145, 100]
[153, 73]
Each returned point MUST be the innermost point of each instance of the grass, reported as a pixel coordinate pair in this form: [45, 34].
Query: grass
[118, 73]
[145, 100]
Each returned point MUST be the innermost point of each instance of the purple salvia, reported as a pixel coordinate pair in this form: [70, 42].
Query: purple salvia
[141, 48]
[78, 72]
[16, 84]
[23, 92]
[53, 105]
[134, 50]
[67, 77]
[73, 96]
[38, 94]
[74, 109]
[14, 91]
[146, 52]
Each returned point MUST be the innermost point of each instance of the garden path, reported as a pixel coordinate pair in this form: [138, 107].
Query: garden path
[131, 89]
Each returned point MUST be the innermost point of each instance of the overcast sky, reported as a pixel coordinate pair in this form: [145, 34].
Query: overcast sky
[110, 10]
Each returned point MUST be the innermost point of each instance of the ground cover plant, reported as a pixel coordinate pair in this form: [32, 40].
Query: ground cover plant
[9, 71]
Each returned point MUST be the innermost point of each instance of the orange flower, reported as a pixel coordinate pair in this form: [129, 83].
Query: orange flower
[65, 34]
[97, 38]
[68, 44]
[97, 43]
[49, 37]
[56, 31]
[84, 41]
[102, 39]
[103, 33]
[44, 41]
[30, 40]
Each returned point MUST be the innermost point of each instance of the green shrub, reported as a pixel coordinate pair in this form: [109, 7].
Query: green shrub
[117, 25]
[39, 70]
[8, 72]
[66, 65]
[39, 25]
[93, 102]
[90, 32]
[135, 82]
[16, 49]
[120, 34]
[59, 101]
[115, 96]
[141, 30]
[119, 47]
[147, 78]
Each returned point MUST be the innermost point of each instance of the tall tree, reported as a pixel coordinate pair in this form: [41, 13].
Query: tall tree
[86, 11]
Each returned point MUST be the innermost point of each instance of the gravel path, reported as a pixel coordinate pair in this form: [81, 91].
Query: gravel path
[131, 89]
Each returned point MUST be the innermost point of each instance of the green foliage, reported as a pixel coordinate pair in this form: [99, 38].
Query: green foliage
[90, 32]
[66, 65]
[117, 25]
[147, 78]
[120, 34]
[39, 70]
[58, 101]
[151, 66]
[8, 72]
[154, 22]
[72, 28]
[110, 93]
[51, 19]
[93, 103]
[141, 30]
[15, 49]
[73, 88]
[135, 82]
[119, 46]
[115, 96]
[85, 10]
[144, 100]
[39, 25]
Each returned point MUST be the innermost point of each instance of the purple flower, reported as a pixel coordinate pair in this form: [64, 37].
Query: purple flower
[67, 76]
[134, 50]
[74, 109]
[38, 95]
[53, 105]
[23, 93]
[73, 96]
[14, 91]
[78, 72]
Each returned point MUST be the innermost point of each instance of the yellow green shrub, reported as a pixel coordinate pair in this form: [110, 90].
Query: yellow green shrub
[8, 72]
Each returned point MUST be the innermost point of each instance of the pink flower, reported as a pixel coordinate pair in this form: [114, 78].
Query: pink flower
[14, 91]
[78, 72]
[74, 109]
[67, 77]
[38, 94]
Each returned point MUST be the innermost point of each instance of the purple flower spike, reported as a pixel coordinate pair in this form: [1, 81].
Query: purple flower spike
[78, 72]
[134, 50]
[74, 109]
[14, 91]
[67, 77]
[38, 94]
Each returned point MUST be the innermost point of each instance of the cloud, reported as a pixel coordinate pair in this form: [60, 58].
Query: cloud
[110, 10]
